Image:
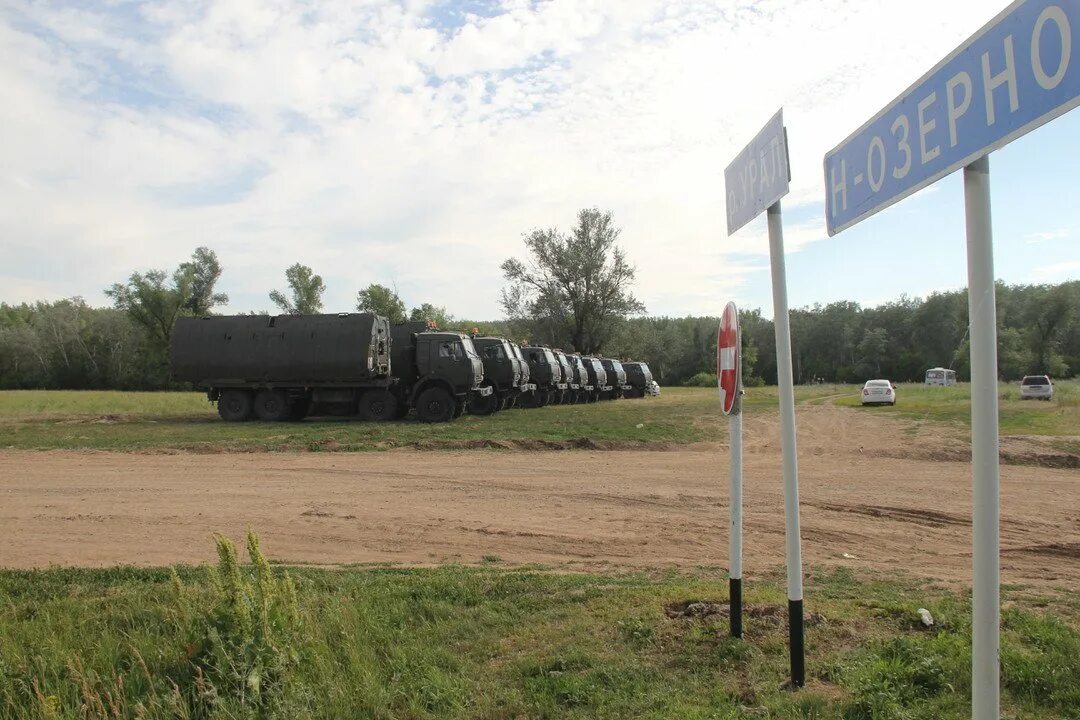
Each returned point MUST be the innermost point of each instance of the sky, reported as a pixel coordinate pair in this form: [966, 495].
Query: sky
[413, 143]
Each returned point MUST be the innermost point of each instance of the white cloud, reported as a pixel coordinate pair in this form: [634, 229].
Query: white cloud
[360, 138]
[1038, 237]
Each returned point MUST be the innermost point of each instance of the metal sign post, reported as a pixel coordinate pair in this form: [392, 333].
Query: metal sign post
[729, 382]
[986, 505]
[755, 180]
[1016, 73]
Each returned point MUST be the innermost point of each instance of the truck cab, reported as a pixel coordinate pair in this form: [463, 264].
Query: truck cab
[617, 377]
[546, 373]
[639, 378]
[585, 386]
[598, 378]
[504, 372]
[566, 394]
[436, 372]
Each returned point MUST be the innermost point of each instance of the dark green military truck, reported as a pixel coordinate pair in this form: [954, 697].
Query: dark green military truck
[598, 378]
[567, 394]
[616, 377]
[546, 373]
[505, 373]
[286, 367]
[581, 377]
[639, 378]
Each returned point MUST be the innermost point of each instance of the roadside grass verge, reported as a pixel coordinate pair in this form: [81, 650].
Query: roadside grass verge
[259, 640]
[164, 421]
[108, 420]
[1059, 417]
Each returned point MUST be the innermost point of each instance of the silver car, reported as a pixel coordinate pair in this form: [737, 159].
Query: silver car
[1036, 387]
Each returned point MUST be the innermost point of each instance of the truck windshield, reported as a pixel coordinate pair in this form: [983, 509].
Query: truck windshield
[548, 357]
[470, 349]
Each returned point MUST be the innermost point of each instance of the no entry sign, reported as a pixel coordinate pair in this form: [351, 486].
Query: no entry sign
[728, 353]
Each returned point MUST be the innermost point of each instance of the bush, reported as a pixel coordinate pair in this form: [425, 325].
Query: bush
[702, 379]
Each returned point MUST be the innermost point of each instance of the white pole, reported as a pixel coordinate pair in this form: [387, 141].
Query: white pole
[986, 504]
[787, 445]
[735, 531]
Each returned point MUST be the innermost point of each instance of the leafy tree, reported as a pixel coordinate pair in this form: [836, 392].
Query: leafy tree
[1049, 311]
[381, 300]
[306, 290]
[427, 311]
[872, 349]
[204, 271]
[153, 302]
[574, 286]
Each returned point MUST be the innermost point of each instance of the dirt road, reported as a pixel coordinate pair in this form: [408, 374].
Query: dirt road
[876, 494]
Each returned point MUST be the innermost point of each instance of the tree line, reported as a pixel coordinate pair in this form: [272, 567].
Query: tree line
[573, 290]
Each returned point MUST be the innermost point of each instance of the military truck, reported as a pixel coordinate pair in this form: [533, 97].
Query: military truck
[616, 377]
[546, 373]
[598, 378]
[289, 366]
[639, 378]
[505, 373]
[581, 376]
[527, 384]
[566, 395]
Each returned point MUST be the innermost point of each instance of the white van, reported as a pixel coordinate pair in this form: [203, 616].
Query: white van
[940, 376]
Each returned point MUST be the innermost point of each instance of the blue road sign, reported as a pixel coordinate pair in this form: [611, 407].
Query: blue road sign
[1020, 71]
[759, 175]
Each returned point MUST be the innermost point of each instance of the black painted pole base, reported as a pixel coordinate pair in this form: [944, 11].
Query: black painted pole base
[735, 606]
[795, 643]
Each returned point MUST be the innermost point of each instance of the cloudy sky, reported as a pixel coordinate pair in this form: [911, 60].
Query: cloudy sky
[412, 143]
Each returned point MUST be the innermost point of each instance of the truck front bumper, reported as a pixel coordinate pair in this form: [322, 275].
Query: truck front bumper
[561, 386]
[588, 388]
[528, 387]
[484, 391]
[605, 388]
[574, 386]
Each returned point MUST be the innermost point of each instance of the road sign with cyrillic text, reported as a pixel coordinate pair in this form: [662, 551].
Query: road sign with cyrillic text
[1021, 70]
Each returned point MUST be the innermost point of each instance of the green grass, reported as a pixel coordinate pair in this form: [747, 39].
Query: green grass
[126, 421]
[458, 642]
[1059, 417]
[109, 420]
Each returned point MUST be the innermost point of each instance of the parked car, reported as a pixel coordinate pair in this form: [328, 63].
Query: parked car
[1036, 387]
[878, 392]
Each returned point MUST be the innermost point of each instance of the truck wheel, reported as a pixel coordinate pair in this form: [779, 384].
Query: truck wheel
[435, 405]
[271, 405]
[483, 404]
[234, 405]
[378, 405]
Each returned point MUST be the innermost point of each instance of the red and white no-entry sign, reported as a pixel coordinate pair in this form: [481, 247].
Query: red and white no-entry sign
[728, 352]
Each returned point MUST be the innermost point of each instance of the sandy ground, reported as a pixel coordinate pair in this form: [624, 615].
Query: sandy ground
[876, 494]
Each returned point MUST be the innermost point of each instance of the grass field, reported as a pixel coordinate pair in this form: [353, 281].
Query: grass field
[139, 421]
[453, 642]
[126, 421]
[1060, 417]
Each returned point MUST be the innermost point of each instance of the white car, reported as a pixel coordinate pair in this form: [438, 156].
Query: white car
[1036, 387]
[878, 392]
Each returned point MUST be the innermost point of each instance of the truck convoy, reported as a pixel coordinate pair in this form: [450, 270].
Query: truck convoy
[287, 367]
